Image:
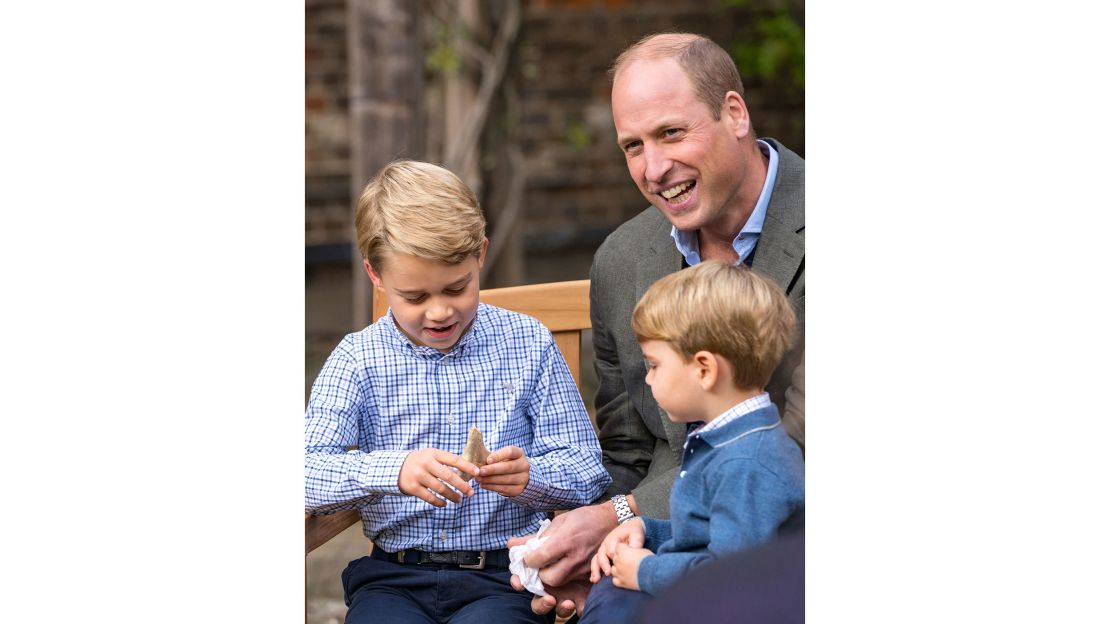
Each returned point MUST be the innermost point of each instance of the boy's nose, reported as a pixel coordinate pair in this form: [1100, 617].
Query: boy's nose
[438, 312]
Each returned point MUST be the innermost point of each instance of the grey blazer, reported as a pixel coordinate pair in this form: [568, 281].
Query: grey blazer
[641, 447]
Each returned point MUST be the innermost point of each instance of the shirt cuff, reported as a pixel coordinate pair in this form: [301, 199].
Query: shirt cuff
[645, 574]
[656, 532]
[381, 470]
[536, 494]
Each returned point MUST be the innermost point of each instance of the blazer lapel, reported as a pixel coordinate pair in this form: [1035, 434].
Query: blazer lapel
[782, 244]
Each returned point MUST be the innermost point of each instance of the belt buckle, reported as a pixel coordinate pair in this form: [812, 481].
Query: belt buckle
[481, 565]
[401, 556]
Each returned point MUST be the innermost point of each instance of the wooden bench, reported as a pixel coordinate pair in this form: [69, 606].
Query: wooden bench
[563, 307]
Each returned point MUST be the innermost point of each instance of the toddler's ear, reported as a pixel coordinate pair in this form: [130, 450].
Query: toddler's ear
[708, 369]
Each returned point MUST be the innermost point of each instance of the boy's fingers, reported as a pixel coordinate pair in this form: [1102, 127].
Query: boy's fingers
[513, 478]
[636, 540]
[450, 459]
[443, 490]
[455, 481]
[427, 496]
[506, 454]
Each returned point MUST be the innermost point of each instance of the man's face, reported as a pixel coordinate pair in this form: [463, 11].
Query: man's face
[687, 164]
[433, 302]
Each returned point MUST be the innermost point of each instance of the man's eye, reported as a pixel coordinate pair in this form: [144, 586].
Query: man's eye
[631, 146]
[455, 291]
[648, 365]
[670, 132]
[415, 299]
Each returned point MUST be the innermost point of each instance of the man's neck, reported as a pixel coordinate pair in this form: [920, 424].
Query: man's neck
[715, 239]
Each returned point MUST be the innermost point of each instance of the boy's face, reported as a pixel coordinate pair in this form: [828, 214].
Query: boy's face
[674, 382]
[433, 302]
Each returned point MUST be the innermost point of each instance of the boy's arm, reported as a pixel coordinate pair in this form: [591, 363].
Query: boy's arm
[747, 506]
[565, 458]
[335, 478]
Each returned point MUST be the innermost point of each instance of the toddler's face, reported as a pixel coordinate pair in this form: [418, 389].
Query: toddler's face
[433, 302]
[673, 381]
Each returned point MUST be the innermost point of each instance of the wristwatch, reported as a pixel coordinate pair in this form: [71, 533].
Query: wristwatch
[624, 512]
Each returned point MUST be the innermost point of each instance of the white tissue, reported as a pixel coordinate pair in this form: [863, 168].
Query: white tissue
[529, 577]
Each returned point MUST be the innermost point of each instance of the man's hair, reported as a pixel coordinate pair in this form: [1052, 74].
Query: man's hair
[709, 68]
[731, 311]
[419, 209]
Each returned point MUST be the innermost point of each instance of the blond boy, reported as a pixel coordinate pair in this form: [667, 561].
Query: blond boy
[389, 414]
[711, 337]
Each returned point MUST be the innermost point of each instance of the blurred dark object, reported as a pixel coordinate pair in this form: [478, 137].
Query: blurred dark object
[765, 585]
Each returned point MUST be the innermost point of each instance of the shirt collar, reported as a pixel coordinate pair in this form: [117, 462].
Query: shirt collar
[755, 413]
[468, 339]
[687, 240]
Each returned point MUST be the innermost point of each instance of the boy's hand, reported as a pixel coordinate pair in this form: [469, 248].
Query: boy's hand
[626, 564]
[630, 534]
[505, 472]
[425, 474]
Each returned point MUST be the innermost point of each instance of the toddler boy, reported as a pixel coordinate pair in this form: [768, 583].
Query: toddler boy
[711, 336]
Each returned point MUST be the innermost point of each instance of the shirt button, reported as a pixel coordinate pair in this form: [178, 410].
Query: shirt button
[682, 474]
[450, 419]
[443, 536]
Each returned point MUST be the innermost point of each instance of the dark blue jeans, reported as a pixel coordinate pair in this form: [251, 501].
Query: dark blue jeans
[610, 604]
[384, 591]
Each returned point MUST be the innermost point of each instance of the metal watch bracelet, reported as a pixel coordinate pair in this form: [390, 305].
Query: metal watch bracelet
[624, 511]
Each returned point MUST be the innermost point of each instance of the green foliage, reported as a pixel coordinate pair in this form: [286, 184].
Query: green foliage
[774, 49]
[442, 56]
[578, 135]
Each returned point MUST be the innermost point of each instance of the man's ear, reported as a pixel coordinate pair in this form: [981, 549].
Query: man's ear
[736, 111]
[374, 277]
[707, 369]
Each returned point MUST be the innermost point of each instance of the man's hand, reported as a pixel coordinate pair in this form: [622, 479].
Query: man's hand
[630, 533]
[425, 474]
[506, 472]
[565, 599]
[626, 564]
[572, 540]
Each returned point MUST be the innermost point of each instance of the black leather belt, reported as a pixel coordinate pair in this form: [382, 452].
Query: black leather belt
[470, 559]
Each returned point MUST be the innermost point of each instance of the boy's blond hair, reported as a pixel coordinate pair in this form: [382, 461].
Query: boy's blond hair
[419, 209]
[727, 310]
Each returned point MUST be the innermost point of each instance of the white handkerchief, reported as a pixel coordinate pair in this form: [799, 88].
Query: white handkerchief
[529, 577]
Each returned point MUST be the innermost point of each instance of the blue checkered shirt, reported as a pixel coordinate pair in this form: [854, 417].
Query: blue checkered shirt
[379, 396]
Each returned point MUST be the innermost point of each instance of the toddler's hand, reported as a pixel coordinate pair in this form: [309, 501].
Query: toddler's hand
[626, 565]
[506, 471]
[630, 533]
[425, 474]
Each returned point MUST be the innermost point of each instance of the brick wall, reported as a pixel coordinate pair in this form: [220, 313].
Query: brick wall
[327, 128]
[578, 189]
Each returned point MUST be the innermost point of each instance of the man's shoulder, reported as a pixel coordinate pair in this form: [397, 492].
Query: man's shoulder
[633, 234]
[792, 171]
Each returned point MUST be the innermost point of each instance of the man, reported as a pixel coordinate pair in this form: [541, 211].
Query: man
[716, 192]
